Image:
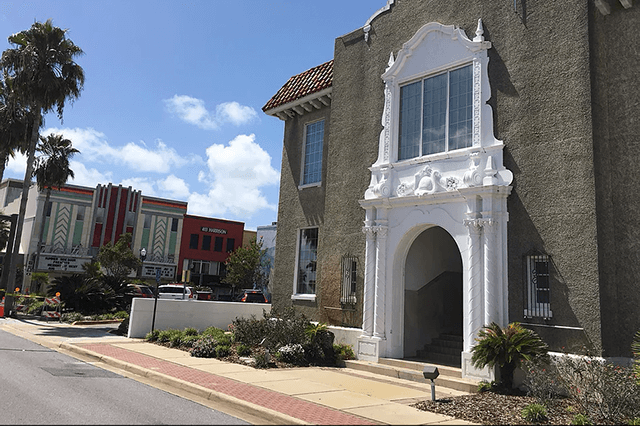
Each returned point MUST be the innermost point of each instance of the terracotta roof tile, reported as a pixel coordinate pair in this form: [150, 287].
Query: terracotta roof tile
[303, 84]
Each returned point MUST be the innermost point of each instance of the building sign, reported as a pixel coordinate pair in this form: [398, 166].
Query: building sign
[149, 271]
[62, 263]
[213, 230]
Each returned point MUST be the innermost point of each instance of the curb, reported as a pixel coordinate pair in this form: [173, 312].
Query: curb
[202, 392]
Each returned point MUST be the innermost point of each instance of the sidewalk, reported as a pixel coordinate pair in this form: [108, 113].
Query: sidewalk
[310, 395]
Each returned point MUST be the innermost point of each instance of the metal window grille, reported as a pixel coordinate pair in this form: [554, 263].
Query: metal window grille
[538, 287]
[349, 266]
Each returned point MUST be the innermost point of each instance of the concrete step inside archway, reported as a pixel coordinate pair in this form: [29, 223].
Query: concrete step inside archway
[444, 350]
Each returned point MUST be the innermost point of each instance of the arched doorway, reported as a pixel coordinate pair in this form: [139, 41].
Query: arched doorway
[433, 299]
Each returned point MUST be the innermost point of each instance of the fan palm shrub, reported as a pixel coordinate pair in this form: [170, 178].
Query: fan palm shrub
[506, 348]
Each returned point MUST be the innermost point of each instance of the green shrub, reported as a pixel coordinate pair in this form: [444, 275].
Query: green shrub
[205, 347]
[542, 381]
[243, 350]
[603, 390]
[343, 352]
[188, 341]
[635, 348]
[535, 413]
[152, 336]
[166, 336]
[277, 328]
[176, 339]
[223, 351]
[262, 360]
[507, 348]
[72, 317]
[218, 334]
[634, 422]
[190, 331]
[485, 386]
[581, 419]
[291, 354]
[121, 315]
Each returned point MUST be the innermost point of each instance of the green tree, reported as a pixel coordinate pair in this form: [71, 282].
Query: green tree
[39, 281]
[14, 124]
[43, 75]
[246, 267]
[118, 259]
[52, 170]
[507, 348]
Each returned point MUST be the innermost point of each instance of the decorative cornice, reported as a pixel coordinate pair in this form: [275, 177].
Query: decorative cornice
[367, 25]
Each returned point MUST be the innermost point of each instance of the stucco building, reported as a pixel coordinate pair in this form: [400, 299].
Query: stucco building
[462, 162]
[79, 220]
[206, 245]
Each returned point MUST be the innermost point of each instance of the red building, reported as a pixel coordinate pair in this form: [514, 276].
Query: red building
[205, 245]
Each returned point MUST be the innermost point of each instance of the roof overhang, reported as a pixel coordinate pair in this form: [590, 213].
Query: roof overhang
[302, 105]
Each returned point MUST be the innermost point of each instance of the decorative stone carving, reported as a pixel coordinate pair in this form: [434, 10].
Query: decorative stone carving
[472, 177]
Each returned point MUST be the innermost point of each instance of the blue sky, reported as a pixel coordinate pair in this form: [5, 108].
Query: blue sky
[174, 90]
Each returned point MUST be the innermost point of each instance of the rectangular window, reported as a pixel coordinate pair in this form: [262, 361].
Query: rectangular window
[218, 244]
[313, 141]
[206, 242]
[147, 221]
[538, 289]
[348, 289]
[80, 213]
[436, 114]
[193, 242]
[231, 242]
[307, 257]
[174, 225]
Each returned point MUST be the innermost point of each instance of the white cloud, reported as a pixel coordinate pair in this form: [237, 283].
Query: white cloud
[94, 146]
[193, 111]
[16, 166]
[142, 184]
[235, 113]
[174, 187]
[88, 177]
[236, 174]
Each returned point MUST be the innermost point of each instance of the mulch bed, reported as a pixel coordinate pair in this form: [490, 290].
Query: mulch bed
[491, 408]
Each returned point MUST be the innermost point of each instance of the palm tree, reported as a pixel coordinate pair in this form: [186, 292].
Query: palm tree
[14, 124]
[44, 75]
[52, 171]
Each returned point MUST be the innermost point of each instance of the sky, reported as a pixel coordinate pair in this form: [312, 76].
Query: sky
[174, 90]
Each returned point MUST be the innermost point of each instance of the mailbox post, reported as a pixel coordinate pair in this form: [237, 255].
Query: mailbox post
[430, 372]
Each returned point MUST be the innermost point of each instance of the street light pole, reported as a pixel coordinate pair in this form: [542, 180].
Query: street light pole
[143, 256]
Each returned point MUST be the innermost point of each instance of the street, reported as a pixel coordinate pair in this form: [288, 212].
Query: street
[39, 385]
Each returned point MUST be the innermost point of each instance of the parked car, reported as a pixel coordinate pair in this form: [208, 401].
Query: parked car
[175, 291]
[135, 290]
[138, 290]
[253, 296]
[224, 298]
[203, 294]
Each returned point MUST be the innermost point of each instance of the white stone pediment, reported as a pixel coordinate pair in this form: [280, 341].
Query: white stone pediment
[436, 48]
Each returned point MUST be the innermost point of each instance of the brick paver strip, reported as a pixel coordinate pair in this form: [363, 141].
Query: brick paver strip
[294, 407]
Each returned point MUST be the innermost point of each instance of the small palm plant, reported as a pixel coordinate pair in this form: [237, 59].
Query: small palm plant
[507, 348]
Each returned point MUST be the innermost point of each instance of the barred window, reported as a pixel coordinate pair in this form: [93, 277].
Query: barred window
[537, 302]
[349, 266]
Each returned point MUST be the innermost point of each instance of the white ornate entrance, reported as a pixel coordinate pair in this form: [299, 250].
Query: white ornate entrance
[462, 190]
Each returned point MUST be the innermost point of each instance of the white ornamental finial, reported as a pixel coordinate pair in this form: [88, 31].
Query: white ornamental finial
[391, 60]
[479, 32]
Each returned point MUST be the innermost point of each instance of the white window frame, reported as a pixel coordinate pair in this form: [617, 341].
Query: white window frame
[532, 308]
[447, 71]
[303, 296]
[304, 152]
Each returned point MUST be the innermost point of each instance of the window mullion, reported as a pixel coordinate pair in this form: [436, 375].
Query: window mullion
[421, 117]
[446, 120]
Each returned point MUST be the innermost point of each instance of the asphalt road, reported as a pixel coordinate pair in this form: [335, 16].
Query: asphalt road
[41, 386]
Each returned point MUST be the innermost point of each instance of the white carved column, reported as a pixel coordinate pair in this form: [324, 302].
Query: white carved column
[475, 305]
[492, 293]
[369, 275]
[380, 280]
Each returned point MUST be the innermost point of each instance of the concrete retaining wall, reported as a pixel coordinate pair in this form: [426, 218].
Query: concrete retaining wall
[180, 314]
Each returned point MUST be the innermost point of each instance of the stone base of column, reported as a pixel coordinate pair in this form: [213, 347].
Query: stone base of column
[370, 348]
[473, 373]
